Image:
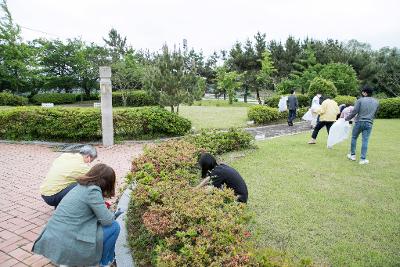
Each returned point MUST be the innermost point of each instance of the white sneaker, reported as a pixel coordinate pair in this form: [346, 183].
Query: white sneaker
[351, 157]
[364, 161]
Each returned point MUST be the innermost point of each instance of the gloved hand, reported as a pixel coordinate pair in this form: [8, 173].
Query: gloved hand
[117, 213]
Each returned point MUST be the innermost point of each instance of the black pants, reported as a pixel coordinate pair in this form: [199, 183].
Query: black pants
[321, 125]
[292, 115]
[55, 199]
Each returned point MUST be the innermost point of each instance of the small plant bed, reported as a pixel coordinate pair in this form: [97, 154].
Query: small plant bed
[170, 223]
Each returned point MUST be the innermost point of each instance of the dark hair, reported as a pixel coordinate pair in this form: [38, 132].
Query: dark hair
[321, 99]
[368, 90]
[292, 91]
[207, 162]
[101, 175]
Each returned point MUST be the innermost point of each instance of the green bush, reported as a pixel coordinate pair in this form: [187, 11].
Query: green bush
[263, 114]
[137, 98]
[273, 101]
[345, 99]
[343, 77]
[389, 108]
[170, 223]
[85, 97]
[323, 86]
[56, 98]
[7, 99]
[218, 142]
[82, 124]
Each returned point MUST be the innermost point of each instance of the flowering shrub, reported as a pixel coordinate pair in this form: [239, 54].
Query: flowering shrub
[218, 142]
[171, 223]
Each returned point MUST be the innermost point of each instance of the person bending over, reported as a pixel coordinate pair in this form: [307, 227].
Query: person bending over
[328, 112]
[221, 174]
[63, 172]
[82, 231]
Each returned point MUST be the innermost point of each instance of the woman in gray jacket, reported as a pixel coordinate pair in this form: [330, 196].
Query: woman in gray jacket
[82, 231]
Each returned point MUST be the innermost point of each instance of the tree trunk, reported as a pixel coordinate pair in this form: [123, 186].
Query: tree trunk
[246, 91]
[258, 95]
[172, 109]
[177, 109]
[224, 95]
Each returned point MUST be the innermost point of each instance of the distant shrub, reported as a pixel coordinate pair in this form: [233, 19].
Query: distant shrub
[85, 97]
[218, 142]
[273, 101]
[345, 99]
[137, 98]
[323, 86]
[7, 99]
[263, 114]
[343, 77]
[56, 98]
[389, 108]
[77, 124]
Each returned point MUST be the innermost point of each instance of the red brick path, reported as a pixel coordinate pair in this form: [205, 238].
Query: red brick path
[22, 211]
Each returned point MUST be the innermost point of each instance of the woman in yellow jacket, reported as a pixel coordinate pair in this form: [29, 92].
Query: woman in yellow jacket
[328, 112]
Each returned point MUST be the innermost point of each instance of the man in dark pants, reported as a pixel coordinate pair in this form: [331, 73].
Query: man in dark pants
[293, 104]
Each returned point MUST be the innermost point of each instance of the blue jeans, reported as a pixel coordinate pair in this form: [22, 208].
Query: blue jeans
[55, 199]
[365, 128]
[110, 235]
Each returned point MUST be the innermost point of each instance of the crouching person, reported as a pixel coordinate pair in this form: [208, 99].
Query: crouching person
[82, 231]
[222, 175]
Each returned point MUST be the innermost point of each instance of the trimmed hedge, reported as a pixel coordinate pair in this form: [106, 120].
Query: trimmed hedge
[84, 124]
[389, 108]
[78, 97]
[273, 101]
[218, 142]
[136, 98]
[7, 99]
[56, 98]
[264, 114]
[323, 86]
[345, 99]
[170, 223]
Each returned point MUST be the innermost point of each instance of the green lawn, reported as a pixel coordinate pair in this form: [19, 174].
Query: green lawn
[203, 117]
[315, 203]
[221, 103]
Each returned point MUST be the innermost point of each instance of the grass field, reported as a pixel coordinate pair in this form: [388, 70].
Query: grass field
[221, 103]
[204, 117]
[315, 203]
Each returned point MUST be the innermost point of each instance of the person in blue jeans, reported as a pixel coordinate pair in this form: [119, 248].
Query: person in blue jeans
[82, 231]
[365, 109]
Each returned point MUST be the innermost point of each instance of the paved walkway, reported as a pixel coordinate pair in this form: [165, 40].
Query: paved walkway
[269, 131]
[22, 211]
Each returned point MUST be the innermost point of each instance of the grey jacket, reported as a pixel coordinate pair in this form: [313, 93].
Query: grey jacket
[365, 108]
[293, 104]
[74, 234]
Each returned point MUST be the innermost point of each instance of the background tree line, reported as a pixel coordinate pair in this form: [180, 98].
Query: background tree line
[180, 75]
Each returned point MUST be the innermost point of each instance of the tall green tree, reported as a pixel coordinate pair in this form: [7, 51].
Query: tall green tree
[229, 81]
[127, 72]
[170, 81]
[264, 76]
[116, 44]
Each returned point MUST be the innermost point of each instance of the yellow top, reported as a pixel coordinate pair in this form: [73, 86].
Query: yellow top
[328, 110]
[63, 172]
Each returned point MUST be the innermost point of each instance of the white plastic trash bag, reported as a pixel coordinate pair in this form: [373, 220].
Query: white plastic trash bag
[308, 116]
[282, 105]
[339, 131]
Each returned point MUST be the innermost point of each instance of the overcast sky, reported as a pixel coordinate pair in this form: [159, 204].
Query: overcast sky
[210, 24]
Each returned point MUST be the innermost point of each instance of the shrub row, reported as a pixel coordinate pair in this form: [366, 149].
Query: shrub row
[170, 223]
[264, 114]
[273, 101]
[56, 98]
[84, 124]
[7, 99]
[137, 98]
[345, 99]
[389, 108]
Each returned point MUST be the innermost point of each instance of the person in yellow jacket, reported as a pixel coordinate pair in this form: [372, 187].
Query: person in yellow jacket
[328, 112]
[62, 175]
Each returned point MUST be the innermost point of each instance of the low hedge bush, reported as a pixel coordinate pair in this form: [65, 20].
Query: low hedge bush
[273, 101]
[56, 98]
[84, 124]
[7, 99]
[345, 99]
[218, 142]
[323, 86]
[389, 108]
[170, 223]
[136, 98]
[85, 97]
[264, 114]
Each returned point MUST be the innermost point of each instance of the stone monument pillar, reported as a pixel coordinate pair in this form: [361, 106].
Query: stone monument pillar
[106, 106]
